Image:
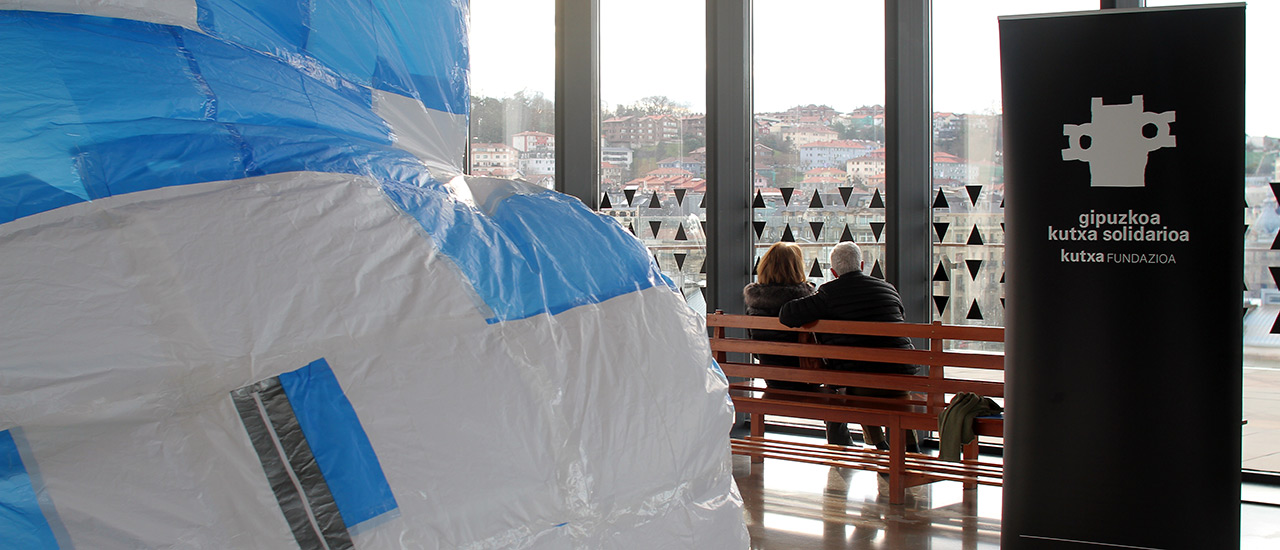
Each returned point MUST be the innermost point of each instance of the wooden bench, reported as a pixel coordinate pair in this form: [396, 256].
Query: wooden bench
[953, 366]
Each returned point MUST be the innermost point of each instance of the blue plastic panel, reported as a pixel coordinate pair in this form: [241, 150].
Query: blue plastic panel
[413, 48]
[338, 442]
[536, 254]
[95, 106]
[22, 525]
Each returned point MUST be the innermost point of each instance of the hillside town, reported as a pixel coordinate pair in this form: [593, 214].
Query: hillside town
[818, 179]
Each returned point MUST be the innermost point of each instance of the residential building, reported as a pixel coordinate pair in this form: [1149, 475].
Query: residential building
[810, 114]
[538, 163]
[821, 154]
[492, 156]
[802, 135]
[863, 168]
[533, 141]
[641, 131]
[694, 126]
[693, 165]
[621, 156]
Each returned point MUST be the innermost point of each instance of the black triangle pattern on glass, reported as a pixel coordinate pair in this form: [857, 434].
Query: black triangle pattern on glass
[1002, 227]
[941, 303]
[974, 312]
[680, 260]
[604, 202]
[680, 196]
[974, 191]
[1275, 245]
[1275, 189]
[1002, 303]
[1275, 328]
[846, 236]
[702, 201]
[1246, 229]
[816, 227]
[940, 201]
[974, 266]
[940, 274]
[876, 201]
[940, 229]
[630, 194]
[631, 227]
[787, 237]
[758, 202]
[656, 262]
[680, 236]
[759, 227]
[974, 236]
[786, 195]
[876, 271]
[754, 266]
[876, 229]
[817, 200]
[1002, 277]
[815, 271]
[1002, 203]
[704, 228]
[654, 202]
[655, 226]
[845, 193]
[703, 269]
[1275, 275]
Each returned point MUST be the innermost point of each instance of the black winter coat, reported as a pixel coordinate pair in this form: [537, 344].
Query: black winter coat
[853, 296]
[766, 300]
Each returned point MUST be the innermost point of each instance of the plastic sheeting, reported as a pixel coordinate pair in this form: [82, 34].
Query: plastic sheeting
[247, 303]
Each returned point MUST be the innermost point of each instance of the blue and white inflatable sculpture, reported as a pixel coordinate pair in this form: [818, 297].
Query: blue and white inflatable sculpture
[245, 303]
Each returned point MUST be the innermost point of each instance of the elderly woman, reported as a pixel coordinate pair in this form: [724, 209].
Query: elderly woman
[780, 278]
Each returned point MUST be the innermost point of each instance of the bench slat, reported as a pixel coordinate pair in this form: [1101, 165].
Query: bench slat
[976, 360]
[904, 382]
[918, 411]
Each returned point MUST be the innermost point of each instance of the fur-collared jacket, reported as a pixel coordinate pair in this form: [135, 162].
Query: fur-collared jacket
[765, 300]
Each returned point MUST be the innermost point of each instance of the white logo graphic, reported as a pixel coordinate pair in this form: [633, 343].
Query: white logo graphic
[1119, 142]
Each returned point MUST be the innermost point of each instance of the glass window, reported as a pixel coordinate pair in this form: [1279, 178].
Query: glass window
[653, 131]
[1261, 436]
[819, 128]
[968, 173]
[513, 90]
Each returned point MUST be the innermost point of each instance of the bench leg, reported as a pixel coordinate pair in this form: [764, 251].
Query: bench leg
[970, 452]
[757, 431]
[897, 464]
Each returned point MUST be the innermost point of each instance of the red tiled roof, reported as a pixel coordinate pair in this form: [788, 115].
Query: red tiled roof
[838, 143]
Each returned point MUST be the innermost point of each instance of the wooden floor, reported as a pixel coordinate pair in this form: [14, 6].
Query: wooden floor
[794, 506]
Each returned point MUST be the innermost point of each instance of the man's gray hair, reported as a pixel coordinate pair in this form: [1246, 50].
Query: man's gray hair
[846, 257]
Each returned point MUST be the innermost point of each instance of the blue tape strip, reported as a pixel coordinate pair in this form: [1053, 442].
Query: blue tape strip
[338, 442]
[22, 525]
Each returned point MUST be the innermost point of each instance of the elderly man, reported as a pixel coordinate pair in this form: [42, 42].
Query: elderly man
[855, 296]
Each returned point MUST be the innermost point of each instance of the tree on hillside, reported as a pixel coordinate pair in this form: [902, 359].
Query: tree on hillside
[486, 120]
[652, 105]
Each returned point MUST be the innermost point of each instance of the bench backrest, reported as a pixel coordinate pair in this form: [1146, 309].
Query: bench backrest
[942, 362]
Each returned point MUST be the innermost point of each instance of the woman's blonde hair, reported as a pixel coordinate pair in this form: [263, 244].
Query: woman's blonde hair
[781, 263]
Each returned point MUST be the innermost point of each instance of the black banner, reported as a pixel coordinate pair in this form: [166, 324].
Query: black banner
[1124, 167]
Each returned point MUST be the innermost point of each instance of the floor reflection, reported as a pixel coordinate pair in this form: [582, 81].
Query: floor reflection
[803, 506]
[795, 506]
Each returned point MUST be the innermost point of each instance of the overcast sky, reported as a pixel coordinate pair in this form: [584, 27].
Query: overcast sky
[806, 51]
